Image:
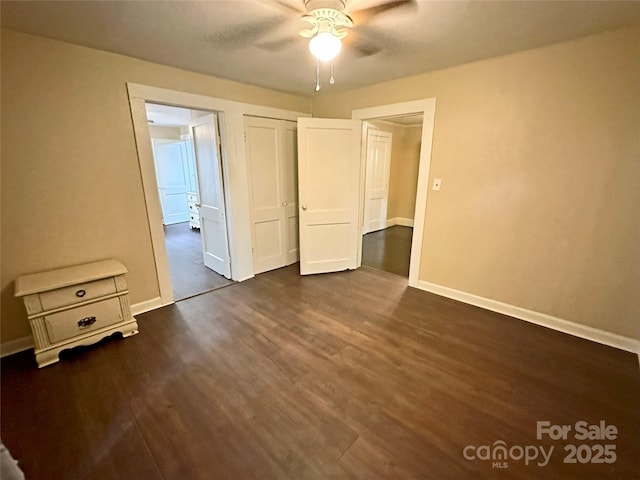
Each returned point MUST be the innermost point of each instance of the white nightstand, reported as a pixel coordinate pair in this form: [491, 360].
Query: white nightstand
[74, 306]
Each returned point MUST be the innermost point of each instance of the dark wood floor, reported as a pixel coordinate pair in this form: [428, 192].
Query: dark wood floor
[189, 276]
[341, 376]
[388, 249]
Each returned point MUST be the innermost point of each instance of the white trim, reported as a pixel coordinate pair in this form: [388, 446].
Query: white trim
[197, 101]
[147, 305]
[234, 166]
[428, 108]
[151, 195]
[577, 330]
[405, 222]
[15, 346]
[396, 125]
[25, 343]
[583, 331]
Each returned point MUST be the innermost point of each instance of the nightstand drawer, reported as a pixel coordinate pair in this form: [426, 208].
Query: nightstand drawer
[193, 208]
[192, 198]
[71, 323]
[77, 293]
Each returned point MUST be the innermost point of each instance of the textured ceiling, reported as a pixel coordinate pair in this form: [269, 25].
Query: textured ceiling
[256, 42]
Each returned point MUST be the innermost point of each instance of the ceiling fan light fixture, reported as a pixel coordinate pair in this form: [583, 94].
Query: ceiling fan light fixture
[325, 46]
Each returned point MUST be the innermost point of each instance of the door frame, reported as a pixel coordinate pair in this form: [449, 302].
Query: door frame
[235, 182]
[426, 107]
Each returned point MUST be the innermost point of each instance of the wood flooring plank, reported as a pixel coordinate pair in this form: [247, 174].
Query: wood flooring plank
[345, 376]
[388, 249]
[188, 274]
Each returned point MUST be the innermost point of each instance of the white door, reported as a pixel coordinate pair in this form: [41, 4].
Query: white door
[172, 173]
[378, 165]
[289, 135]
[266, 166]
[213, 226]
[271, 149]
[328, 190]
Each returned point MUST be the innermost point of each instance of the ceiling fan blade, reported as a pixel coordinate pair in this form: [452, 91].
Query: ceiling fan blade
[361, 45]
[296, 6]
[368, 40]
[239, 36]
[278, 44]
[366, 14]
[366, 49]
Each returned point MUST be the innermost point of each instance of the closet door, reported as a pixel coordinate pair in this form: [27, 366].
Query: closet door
[289, 145]
[266, 152]
[329, 190]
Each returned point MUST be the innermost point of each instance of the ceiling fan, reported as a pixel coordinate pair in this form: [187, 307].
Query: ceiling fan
[329, 22]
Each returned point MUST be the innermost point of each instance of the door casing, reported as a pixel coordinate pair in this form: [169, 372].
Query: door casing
[230, 115]
[426, 107]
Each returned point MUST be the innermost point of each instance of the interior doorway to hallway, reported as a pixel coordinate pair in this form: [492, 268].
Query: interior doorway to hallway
[392, 158]
[175, 160]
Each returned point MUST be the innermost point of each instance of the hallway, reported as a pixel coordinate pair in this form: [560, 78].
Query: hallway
[388, 250]
[189, 276]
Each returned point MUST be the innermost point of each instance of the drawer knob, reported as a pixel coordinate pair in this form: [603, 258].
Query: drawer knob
[86, 322]
[81, 293]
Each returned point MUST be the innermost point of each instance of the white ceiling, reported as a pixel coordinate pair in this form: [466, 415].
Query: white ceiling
[256, 42]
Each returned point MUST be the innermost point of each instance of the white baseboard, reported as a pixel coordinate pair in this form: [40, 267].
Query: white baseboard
[405, 222]
[146, 306]
[242, 279]
[25, 343]
[583, 331]
[15, 346]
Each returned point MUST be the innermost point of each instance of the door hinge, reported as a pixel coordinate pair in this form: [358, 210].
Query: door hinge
[245, 135]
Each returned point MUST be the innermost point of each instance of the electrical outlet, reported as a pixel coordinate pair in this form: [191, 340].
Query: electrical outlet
[436, 184]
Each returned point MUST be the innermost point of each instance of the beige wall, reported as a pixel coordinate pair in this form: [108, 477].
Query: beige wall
[539, 156]
[403, 172]
[71, 185]
[403, 178]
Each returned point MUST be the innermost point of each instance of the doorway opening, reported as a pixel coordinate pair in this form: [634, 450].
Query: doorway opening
[392, 159]
[427, 108]
[177, 161]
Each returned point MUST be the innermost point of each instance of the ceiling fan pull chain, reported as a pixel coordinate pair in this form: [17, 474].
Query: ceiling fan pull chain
[331, 79]
[317, 75]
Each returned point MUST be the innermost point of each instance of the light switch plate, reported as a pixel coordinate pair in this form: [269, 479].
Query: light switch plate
[436, 184]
